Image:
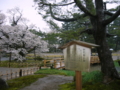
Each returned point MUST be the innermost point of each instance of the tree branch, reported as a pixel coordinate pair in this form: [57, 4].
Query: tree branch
[88, 31]
[47, 4]
[113, 17]
[79, 4]
[108, 13]
[65, 20]
[19, 18]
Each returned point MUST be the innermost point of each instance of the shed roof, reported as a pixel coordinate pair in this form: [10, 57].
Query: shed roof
[81, 43]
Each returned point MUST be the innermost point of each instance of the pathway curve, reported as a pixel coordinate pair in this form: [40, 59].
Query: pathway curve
[51, 82]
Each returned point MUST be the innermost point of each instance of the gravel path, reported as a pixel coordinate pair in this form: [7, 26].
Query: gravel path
[51, 82]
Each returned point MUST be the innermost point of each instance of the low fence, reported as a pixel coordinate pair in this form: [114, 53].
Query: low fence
[94, 59]
[14, 64]
[19, 73]
[59, 62]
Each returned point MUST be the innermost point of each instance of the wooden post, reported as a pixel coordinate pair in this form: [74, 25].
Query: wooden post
[78, 80]
[16, 74]
[44, 63]
[20, 73]
[39, 67]
[54, 63]
[60, 63]
[11, 74]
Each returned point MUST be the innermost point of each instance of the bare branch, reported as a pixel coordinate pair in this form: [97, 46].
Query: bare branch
[65, 20]
[113, 17]
[19, 16]
[79, 4]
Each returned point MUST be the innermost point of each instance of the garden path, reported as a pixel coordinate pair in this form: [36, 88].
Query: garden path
[51, 82]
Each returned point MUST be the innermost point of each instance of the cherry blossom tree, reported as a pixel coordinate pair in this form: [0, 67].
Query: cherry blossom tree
[19, 41]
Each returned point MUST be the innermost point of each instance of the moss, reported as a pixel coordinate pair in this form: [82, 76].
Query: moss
[67, 86]
[90, 86]
[18, 83]
[100, 86]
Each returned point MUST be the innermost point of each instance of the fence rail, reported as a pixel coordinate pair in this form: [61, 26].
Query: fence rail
[55, 63]
[18, 73]
[94, 59]
[59, 62]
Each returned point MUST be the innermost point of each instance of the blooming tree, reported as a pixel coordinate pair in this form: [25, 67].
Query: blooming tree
[20, 41]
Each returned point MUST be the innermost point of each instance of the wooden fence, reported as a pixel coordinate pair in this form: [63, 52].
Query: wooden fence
[94, 59]
[19, 73]
[59, 62]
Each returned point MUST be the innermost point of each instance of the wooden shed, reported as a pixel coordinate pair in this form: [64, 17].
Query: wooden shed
[77, 55]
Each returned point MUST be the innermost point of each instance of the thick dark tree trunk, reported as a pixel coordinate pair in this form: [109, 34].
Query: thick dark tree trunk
[107, 64]
[99, 34]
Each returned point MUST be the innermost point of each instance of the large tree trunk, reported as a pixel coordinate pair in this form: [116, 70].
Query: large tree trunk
[99, 34]
[105, 55]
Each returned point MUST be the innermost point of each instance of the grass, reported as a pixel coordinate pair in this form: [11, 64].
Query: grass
[55, 71]
[92, 81]
[18, 83]
[116, 64]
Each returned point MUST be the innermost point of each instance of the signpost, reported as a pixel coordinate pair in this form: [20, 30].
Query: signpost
[77, 57]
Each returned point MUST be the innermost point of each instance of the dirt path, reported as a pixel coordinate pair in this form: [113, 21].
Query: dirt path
[51, 82]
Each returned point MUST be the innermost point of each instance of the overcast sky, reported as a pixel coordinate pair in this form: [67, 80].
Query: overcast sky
[29, 11]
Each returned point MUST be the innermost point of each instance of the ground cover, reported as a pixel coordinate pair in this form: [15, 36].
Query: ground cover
[55, 71]
[18, 83]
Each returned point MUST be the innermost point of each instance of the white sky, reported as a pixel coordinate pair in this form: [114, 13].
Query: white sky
[29, 11]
